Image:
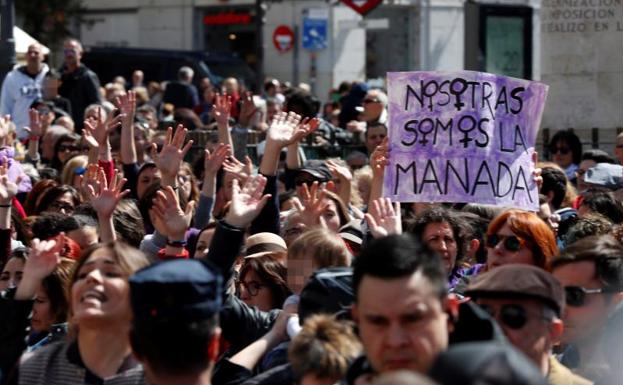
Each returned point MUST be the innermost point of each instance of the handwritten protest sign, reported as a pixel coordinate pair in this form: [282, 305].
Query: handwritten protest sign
[463, 137]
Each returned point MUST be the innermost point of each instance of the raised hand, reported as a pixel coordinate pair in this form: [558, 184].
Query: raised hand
[536, 174]
[221, 110]
[35, 130]
[339, 171]
[384, 218]
[212, 162]
[44, 256]
[284, 129]
[247, 109]
[89, 180]
[236, 167]
[101, 129]
[173, 222]
[170, 158]
[88, 136]
[127, 105]
[108, 195]
[380, 157]
[311, 204]
[246, 202]
[8, 189]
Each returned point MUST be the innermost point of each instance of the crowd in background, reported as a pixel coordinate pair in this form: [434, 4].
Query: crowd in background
[126, 259]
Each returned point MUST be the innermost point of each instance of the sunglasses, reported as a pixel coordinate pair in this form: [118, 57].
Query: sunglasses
[575, 296]
[253, 287]
[562, 150]
[512, 315]
[510, 242]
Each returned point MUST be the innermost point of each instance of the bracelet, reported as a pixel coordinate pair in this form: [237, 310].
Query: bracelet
[5, 206]
[34, 138]
[176, 243]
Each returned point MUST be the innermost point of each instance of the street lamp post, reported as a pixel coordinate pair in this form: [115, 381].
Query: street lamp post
[7, 43]
[259, 42]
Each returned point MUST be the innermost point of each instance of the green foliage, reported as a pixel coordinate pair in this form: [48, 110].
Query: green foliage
[47, 20]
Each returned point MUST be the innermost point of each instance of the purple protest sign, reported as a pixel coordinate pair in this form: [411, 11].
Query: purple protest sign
[463, 137]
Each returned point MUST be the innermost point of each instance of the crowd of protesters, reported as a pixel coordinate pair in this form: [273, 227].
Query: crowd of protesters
[121, 263]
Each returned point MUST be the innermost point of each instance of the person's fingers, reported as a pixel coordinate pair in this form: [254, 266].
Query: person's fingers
[259, 188]
[154, 152]
[179, 137]
[169, 136]
[305, 192]
[370, 221]
[90, 192]
[187, 147]
[190, 208]
[535, 158]
[171, 194]
[235, 187]
[120, 184]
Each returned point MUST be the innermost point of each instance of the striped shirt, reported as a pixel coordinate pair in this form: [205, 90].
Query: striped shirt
[60, 364]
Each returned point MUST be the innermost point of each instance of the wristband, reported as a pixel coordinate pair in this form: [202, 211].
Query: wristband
[34, 138]
[5, 206]
[181, 243]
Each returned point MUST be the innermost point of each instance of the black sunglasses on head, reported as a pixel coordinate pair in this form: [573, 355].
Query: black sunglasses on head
[511, 242]
[575, 296]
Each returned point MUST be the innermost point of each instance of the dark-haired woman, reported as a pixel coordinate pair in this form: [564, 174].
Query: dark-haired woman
[263, 281]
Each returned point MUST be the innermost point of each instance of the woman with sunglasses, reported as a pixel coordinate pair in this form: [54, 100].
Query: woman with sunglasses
[100, 317]
[66, 146]
[566, 151]
[518, 236]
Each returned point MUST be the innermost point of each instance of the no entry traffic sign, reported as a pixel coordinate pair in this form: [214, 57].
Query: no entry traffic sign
[283, 38]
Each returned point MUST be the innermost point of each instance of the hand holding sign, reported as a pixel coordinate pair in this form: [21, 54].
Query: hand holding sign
[463, 137]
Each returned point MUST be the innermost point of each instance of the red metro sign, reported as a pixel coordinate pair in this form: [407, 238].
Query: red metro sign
[283, 38]
[362, 6]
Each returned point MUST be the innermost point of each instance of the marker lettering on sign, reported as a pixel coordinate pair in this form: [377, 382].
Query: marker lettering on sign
[463, 137]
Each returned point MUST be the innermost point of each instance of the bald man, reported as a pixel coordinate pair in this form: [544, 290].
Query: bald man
[21, 87]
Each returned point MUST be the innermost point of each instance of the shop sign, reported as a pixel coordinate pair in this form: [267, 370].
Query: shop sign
[227, 18]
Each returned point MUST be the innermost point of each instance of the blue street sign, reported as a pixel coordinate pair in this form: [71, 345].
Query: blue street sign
[315, 34]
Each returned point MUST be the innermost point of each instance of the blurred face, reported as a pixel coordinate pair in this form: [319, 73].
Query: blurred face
[410, 333]
[185, 182]
[34, 56]
[293, 227]
[209, 94]
[583, 323]
[271, 110]
[84, 236]
[582, 169]
[49, 87]
[137, 77]
[255, 292]
[374, 137]
[300, 268]
[330, 215]
[524, 324]
[101, 291]
[508, 249]
[66, 150]
[64, 204]
[203, 243]
[440, 238]
[147, 177]
[11, 274]
[561, 154]
[73, 54]
[42, 318]
[372, 107]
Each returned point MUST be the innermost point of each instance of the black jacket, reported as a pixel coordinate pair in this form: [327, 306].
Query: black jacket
[241, 324]
[82, 88]
[473, 325]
